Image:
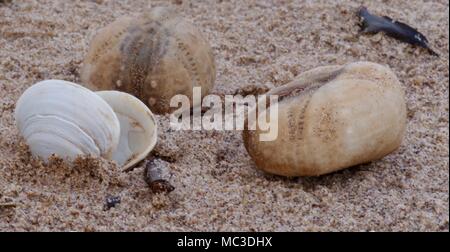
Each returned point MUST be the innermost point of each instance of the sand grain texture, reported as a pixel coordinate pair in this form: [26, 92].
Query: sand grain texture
[217, 186]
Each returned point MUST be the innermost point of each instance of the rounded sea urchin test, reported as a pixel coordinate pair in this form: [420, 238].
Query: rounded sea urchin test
[331, 118]
[154, 56]
[66, 119]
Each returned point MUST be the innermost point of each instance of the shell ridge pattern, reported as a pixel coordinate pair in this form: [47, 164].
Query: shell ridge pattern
[66, 120]
[142, 54]
[107, 45]
[72, 124]
[191, 65]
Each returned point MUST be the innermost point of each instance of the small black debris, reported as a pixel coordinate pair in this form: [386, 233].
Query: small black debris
[111, 201]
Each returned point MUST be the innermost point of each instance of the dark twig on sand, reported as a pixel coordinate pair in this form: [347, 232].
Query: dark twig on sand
[8, 205]
[252, 90]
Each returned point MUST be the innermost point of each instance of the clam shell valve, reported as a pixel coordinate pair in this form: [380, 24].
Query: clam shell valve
[66, 119]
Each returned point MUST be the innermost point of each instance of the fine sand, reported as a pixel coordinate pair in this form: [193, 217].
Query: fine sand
[217, 187]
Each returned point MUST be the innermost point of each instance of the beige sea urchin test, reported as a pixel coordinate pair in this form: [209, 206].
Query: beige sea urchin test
[154, 56]
[332, 118]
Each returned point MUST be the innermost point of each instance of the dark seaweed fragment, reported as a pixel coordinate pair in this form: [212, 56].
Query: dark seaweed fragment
[398, 30]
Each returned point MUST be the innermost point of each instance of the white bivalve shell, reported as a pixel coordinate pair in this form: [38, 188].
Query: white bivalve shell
[66, 119]
[137, 127]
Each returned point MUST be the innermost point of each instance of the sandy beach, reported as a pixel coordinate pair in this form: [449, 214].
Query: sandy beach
[217, 185]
